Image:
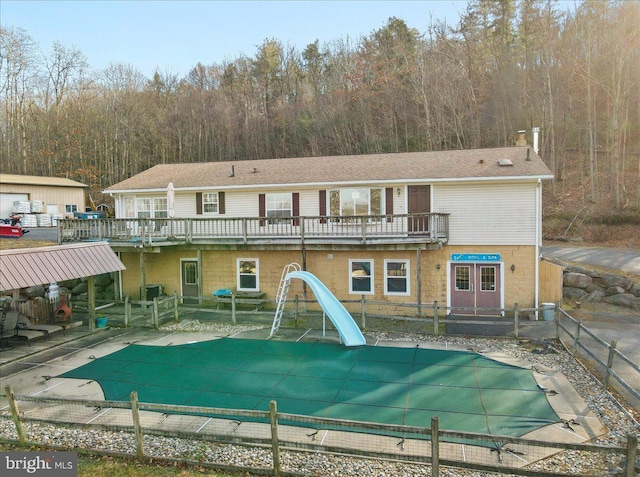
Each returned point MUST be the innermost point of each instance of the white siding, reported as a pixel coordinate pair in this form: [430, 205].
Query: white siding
[243, 204]
[489, 213]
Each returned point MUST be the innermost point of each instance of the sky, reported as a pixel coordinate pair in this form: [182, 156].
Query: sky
[173, 36]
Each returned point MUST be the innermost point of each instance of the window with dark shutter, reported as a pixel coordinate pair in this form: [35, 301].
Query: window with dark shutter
[295, 205]
[199, 203]
[262, 208]
[322, 198]
[220, 202]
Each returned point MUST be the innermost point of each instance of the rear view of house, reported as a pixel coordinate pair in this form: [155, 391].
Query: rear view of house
[459, 227]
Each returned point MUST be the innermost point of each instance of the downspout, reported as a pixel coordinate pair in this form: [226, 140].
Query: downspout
[537, 248]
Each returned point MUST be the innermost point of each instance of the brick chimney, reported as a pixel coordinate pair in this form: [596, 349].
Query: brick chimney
[521, 140]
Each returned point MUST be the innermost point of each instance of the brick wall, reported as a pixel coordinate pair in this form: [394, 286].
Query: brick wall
[332, 267]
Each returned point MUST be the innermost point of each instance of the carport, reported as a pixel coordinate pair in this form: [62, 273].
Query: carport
[26, 267]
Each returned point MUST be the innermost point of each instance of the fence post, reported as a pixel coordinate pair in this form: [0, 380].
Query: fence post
[363, 314]
[175, 307]
[576, 340]
[155, 314]
[15, 415]
[607, 372]
[127, 312]
[632, 454]
[273, 420]
[135, 413]
[515, 319]
[296, 304]
[233, 308]
[435, 447]
[436, 321]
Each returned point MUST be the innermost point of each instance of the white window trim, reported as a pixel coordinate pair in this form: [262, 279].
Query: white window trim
[152, 207]
[407, 278]
[217, 202]
[238, 262]
[371, 276]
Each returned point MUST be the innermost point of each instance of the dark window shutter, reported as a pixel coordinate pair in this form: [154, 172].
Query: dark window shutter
[262, 207]
[323, 205]
[295, 203]
[389, 204]
[221, 202]
[199, 203]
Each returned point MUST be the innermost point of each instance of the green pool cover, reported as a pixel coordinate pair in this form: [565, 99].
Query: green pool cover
[467, 391]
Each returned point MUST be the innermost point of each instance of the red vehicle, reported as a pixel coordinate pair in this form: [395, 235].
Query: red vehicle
[11, 227]
[11, 231]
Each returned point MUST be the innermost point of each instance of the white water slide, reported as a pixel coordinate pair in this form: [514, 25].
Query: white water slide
[348, 330]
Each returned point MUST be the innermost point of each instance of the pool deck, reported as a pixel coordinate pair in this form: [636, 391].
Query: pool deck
[32, 370]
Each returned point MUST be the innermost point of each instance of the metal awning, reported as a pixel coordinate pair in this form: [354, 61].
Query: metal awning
[26, 267]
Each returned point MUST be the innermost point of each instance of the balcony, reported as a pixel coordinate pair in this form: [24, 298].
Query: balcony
[356, 230]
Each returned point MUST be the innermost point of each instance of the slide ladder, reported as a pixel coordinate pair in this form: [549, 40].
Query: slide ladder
[281, 295]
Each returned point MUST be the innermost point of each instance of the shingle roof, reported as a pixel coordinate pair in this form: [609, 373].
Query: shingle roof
[26, 267]
[470, 164]
[39, 180]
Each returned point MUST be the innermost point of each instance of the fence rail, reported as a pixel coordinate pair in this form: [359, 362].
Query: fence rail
[282, 432]
[614, 369]
[430, 227]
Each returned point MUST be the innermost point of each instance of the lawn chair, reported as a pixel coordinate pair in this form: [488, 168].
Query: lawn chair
[24, 323]
[11, 329]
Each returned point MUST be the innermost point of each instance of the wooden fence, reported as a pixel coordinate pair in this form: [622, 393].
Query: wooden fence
[280, 432]
[614, 369]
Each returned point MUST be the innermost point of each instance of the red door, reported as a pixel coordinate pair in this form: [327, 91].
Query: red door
[475, 289]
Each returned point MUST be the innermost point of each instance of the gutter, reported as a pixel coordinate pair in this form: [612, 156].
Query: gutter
[328, 185]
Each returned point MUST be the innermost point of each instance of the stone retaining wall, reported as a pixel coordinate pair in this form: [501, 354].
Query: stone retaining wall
[584, 285]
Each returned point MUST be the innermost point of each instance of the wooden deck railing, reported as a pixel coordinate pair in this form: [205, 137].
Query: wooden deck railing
[359, 229]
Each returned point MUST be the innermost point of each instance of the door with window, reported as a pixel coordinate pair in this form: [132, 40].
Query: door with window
[475, 288]
[419, 202]
[189, 282]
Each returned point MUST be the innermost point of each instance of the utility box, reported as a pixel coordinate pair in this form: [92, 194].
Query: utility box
[152, 291]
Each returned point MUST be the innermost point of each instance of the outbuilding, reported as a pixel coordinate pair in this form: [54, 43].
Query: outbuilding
[57, 195]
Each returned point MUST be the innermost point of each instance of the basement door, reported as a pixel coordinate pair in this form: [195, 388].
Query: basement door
[189, 281]
[475, 288]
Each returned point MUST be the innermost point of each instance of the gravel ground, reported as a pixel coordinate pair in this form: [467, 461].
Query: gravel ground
[545, 353]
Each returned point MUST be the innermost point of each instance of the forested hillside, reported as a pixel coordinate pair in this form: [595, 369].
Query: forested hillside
[507, 65]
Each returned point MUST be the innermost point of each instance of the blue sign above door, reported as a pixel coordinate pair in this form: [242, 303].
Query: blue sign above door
[475, 257]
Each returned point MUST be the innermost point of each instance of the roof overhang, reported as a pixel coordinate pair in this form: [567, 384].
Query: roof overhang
[329, 185]
[26, 267]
